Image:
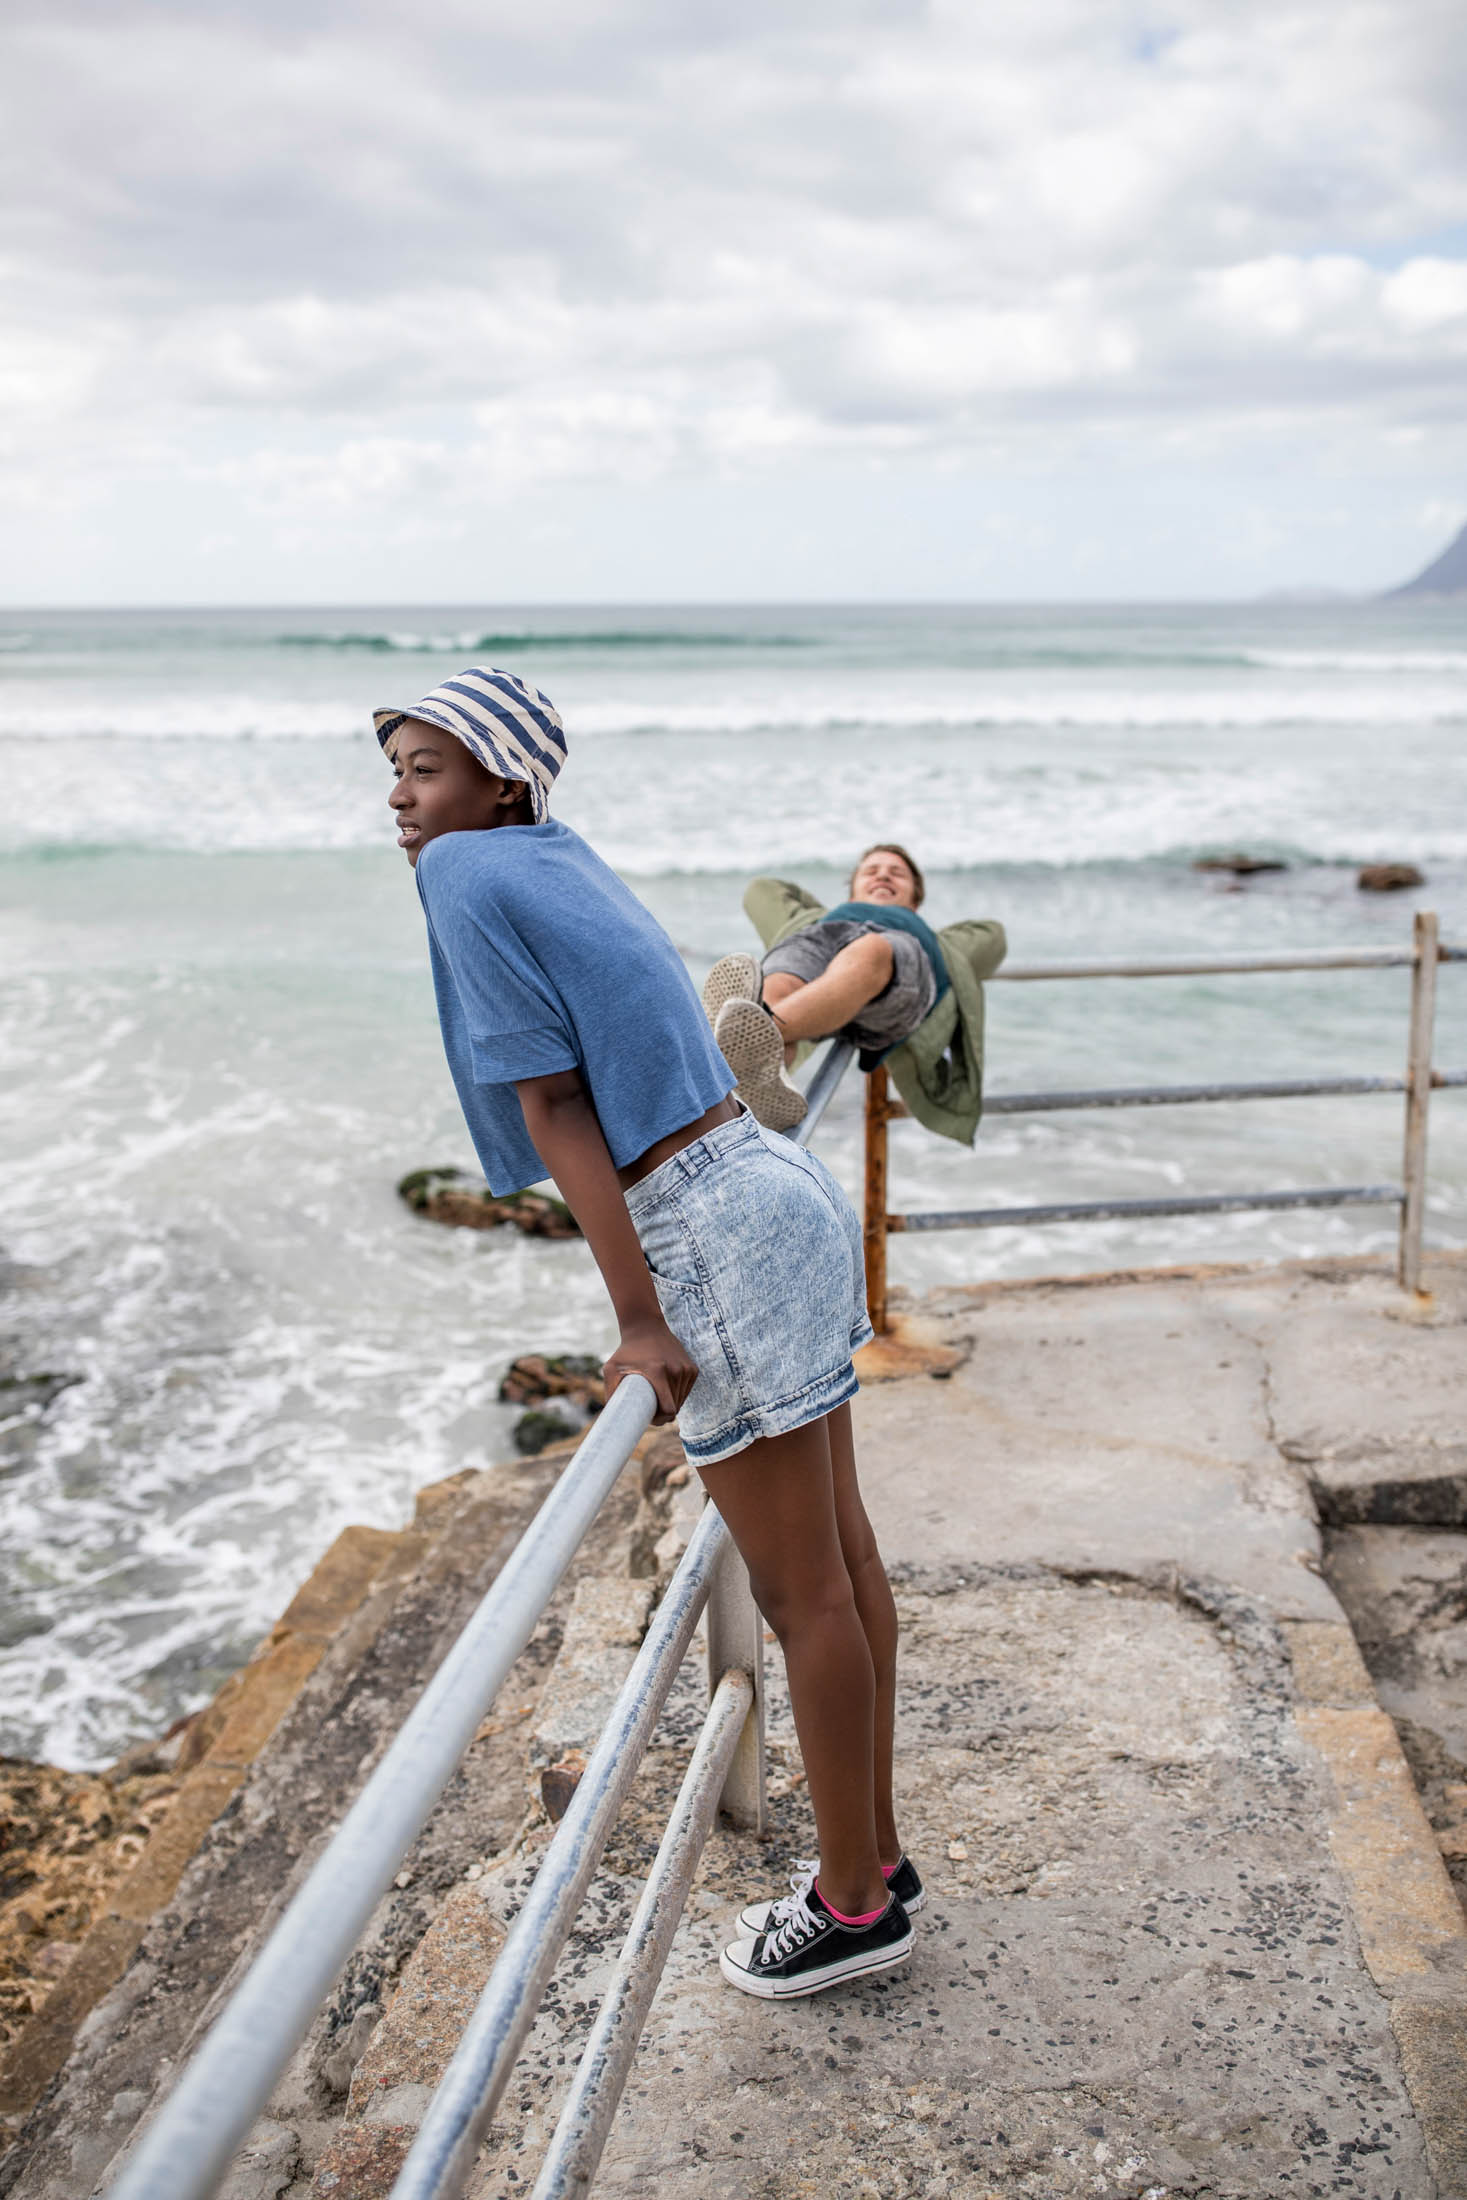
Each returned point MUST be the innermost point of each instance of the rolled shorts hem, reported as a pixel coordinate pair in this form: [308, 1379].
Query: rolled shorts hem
[810, 1404]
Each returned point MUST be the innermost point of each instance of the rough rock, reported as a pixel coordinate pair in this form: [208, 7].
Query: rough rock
[1388, 878]
[538, 1375]
[265, 2166]
[451, 1196]
[362, 2161]
[1240, 865]
[563, 1390]
[603, 1632]
[66, 1839]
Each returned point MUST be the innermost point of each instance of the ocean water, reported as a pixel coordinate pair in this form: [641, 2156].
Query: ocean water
[219, 1050]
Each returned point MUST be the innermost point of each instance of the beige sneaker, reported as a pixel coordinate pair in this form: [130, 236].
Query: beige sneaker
[752, 1044]
[733, 978]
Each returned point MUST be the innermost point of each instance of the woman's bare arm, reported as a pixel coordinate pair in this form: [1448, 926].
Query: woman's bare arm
[567, 1134]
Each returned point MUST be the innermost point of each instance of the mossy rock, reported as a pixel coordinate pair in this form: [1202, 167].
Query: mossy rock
[32, 1394]
[451, 1196]
[542, 1426]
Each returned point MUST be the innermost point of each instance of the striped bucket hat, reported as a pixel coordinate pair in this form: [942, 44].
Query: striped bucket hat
[512, 728]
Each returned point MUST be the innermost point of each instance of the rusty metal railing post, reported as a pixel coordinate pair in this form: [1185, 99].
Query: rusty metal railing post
[736, 1642]
[1418, 1098]
[875, 1212]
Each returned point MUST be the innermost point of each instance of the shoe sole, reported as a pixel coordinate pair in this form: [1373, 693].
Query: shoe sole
[752, 1923]
[734, 978]
[796, 1990]
[749, 1041]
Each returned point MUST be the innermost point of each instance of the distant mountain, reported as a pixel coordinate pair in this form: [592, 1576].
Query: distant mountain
[1445, 576]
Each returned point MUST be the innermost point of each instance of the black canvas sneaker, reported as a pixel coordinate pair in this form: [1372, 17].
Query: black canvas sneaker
[762, 1917]
[811, 1949]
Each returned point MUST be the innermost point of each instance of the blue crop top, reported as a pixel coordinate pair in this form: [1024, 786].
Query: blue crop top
[543, 960]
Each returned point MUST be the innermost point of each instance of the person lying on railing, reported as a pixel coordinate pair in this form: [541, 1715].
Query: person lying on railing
[732, 1258]
[870, 971]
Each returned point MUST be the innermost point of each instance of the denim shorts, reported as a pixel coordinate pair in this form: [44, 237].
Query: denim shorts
[756, 1254]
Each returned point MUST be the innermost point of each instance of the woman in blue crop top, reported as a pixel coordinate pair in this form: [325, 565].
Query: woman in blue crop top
[732, 1259]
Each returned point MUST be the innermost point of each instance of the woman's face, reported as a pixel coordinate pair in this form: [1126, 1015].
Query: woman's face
[441, 788]
[882, 876]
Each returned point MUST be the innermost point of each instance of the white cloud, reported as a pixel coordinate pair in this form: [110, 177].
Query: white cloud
[342, 259]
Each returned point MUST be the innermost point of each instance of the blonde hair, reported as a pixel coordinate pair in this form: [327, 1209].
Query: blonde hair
[892, 848]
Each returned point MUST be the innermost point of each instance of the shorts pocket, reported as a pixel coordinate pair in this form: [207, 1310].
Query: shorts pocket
[670, 1252]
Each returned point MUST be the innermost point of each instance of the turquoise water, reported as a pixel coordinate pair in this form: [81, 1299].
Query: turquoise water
[219, 1048]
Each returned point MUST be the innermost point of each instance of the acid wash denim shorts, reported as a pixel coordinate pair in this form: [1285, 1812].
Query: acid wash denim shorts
[756, 1254]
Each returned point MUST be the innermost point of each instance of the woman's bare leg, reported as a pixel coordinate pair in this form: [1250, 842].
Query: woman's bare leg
[778, 1500]
[852, 978]
[877, 1609]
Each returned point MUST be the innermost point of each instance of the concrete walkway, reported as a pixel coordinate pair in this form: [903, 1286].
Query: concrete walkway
[1190, 1933]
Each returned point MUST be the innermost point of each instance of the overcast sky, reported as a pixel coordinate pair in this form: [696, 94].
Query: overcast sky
[638, 299]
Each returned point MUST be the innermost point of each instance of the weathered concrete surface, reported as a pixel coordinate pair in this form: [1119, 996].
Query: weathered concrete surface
[1190, 1933]
[1393, 1497]
[1405, 1590]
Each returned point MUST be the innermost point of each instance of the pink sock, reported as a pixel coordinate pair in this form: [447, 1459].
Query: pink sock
[889, 1870]
[869, 1919]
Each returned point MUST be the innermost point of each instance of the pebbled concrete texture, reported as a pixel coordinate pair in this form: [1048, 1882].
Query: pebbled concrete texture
[1139, 1971]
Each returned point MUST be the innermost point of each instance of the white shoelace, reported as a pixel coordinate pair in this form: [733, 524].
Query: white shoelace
[802, 1879]
[801, 1925]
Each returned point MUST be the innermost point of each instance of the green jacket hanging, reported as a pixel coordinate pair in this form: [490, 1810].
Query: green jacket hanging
[939, 1070]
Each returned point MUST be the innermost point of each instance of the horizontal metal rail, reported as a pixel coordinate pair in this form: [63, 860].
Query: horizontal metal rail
[585, 2120]
[1426, 951]
[1202, 966]
[1101, 1210]
[453, 2128]
[1159, 1096]
[189, 2144]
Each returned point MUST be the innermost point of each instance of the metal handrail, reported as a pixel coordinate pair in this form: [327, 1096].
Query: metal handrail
[585, 2119]
[1420, 1080]
[189, 2145]
[192, 2140]
[1199, 966]
[463, 2104]
[453, 2128]
[1189, 1203]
